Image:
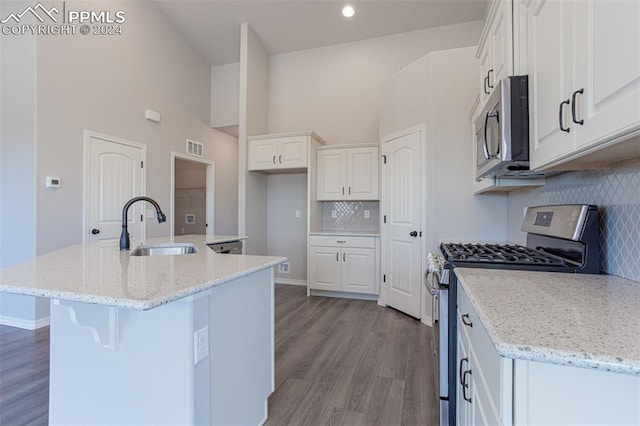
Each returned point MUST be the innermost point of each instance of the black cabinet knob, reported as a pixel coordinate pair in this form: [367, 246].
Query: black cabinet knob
[413, 233]
[95, 231]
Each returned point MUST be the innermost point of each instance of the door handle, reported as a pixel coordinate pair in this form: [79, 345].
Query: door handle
[95, 231]
[562, 104]
[573, 107]
[485, 147]
[413, 233]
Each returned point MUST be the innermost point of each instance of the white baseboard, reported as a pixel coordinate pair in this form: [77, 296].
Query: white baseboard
[427, 321]
[290, 281]
[24, 323]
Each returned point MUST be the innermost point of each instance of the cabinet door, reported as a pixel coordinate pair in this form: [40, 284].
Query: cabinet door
[358, 270]
[463, 407]
[263, 154]
[324, 268]
[550, 66]
[501, 44]
[607, 55]
[332, 174]
[292, 152]
[362, 173]
[485, 66]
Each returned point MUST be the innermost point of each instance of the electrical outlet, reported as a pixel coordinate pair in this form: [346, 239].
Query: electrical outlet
[366, 214]
[334, 214]
[200, 344]
[283, 268]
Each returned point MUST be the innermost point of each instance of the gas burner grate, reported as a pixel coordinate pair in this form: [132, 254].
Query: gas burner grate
[498, 254]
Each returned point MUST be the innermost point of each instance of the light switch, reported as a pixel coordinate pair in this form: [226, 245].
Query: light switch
[52, 182]
[150, 213]
[366, 214]
[298, 214]
[334, 214]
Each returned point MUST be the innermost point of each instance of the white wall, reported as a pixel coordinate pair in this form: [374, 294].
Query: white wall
[439, 90]
[225, 95]
[104, 84]
[17, 169]
[252, 201]
[334, 90]
[287, 234]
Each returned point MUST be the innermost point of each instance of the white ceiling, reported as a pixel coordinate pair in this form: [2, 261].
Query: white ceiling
[213, 26]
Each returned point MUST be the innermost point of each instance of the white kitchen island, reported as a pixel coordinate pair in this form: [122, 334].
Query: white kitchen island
[184, 339]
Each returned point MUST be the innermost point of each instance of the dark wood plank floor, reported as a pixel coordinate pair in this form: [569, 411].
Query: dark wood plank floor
[24, 376]
[350, 362]
[338, 362]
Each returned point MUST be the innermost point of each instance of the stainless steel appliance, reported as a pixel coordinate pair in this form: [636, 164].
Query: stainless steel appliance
[502, 131]
[227, 247]
[560, 238]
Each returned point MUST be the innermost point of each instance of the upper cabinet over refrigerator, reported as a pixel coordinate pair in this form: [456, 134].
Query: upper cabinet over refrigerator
[584, 61]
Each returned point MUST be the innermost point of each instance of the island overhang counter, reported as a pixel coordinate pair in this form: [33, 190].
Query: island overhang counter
[185, 339]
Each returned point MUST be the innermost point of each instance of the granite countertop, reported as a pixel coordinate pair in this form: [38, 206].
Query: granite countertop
[589, 321]
[347, 233]
[104, 275]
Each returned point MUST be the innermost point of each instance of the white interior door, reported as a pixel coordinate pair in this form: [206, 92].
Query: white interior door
[402, 246]
[114, 176]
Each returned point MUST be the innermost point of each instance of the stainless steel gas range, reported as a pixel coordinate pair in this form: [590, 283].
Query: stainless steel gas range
[560, 238]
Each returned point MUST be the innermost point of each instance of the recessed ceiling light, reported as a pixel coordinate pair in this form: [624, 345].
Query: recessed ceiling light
[348, 11]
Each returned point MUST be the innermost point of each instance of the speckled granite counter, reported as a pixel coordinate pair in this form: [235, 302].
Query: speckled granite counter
[107, 276]
[590, 321]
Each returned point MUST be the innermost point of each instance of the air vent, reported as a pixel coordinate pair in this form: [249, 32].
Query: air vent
[195, 148]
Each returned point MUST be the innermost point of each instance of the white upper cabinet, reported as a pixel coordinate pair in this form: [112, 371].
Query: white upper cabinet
[285, 152]
[348, 173]
[495, 50]
[584, 86]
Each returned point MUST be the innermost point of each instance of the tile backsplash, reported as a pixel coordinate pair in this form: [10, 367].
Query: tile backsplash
[616, 191]
[350, 216]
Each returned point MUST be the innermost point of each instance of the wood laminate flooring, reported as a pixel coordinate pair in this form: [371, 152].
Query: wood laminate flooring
[350, 362]
[338, 362]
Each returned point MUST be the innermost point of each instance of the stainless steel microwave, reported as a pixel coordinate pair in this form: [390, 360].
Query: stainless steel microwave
[502, 131]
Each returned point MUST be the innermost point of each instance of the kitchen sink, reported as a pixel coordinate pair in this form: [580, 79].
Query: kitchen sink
[164, 249]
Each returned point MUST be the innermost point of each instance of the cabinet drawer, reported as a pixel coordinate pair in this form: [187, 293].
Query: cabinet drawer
[494, 371]
[342, 241]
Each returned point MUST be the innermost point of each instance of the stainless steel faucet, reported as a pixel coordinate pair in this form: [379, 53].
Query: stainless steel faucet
[124, 236]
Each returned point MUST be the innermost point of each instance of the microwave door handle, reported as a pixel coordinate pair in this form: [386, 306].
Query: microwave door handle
[487, 154]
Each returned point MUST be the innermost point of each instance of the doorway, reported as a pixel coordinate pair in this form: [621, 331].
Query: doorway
[114, 173]
[191, 195]
[403, 220]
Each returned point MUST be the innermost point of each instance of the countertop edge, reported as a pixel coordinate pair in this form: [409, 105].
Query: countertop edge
[550, 355]
[136, 304]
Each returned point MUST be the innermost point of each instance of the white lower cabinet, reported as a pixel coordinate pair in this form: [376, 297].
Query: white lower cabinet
[484, 385]
[345, 264]
[492, 390]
